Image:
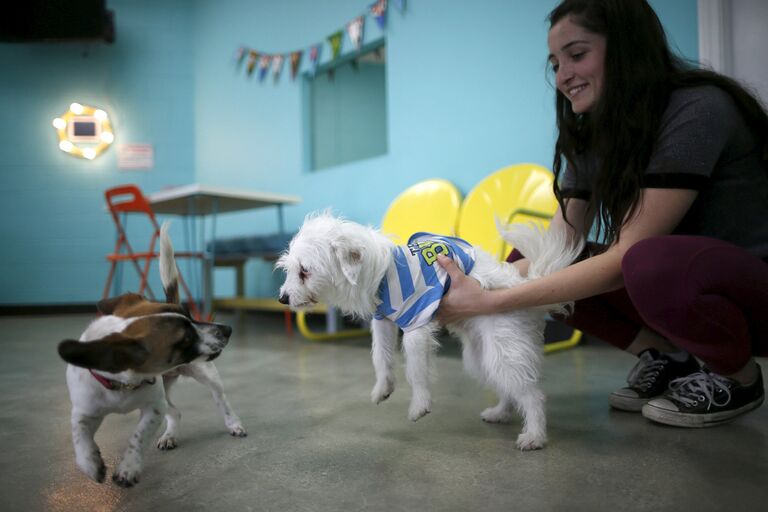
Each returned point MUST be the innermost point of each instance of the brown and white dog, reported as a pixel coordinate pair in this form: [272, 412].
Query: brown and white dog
[114, 368]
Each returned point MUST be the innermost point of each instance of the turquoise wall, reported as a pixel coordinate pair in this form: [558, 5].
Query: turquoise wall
[467, 94]
[54, 228]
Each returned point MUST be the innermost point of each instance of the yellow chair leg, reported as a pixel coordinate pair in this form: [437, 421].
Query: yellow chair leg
[564, 344]
[301, 323]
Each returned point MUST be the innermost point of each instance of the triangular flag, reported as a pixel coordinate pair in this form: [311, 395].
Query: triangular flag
[355, 31]
[314, 57]
[252, 57]
[379, 12]
[295, 63]
[264, 65]
[240, 56]
[335, 41]
[277, 66]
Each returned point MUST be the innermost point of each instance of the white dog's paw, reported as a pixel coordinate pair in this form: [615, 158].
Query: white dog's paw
[529, 441]
[496, 415]
[382, 390]
[419, 409]
[127, 472]
[93, 466]
[237, 430]
[167, 442]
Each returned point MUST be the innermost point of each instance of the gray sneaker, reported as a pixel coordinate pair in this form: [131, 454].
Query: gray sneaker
[649, 379]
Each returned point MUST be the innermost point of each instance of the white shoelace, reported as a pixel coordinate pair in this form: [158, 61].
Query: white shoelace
[644, 373]
[698, 387]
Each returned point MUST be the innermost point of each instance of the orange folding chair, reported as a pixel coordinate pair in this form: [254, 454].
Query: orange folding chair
[125, 199]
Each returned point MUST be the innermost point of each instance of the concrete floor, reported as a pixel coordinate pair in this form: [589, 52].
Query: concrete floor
[316, 443]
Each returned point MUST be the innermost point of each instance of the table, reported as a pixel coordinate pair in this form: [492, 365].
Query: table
[198, 201]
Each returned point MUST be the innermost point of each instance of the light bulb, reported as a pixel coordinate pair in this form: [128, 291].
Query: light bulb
[59, 123]
[89, 153]
[107, 137]
[65, 145]
[76, 108]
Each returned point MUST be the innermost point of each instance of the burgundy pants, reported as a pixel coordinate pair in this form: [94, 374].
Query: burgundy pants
[706, 296]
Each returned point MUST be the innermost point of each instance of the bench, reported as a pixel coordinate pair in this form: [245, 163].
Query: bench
[234, 252]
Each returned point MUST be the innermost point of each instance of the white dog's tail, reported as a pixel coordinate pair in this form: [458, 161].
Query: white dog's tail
[169, 274]
[547, 250]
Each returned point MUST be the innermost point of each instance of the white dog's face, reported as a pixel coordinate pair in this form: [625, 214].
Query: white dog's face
[320, 263]
[305, 280]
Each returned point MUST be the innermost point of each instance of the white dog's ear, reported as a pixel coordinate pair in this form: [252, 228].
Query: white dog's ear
[350, 258]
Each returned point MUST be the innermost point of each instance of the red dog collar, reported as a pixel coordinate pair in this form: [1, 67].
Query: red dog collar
[114, 385]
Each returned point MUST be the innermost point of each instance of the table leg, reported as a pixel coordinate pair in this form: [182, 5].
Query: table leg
[208, 268]
[331, 320]
[211, 266]
[280, 219]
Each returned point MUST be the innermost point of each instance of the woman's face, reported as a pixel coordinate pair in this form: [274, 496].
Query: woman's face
[577, 57]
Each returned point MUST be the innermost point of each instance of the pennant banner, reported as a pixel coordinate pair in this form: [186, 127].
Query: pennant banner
[314, 58]
[264, 66]
[252, 58]
[379, 13]
[277, 66]
[295, 63]
[335, 40]
[355, 32]
[240, 56]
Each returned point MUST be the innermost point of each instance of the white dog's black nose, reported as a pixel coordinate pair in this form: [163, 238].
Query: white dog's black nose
[284, 298]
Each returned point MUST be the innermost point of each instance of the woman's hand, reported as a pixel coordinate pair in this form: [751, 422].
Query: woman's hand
[465, 297]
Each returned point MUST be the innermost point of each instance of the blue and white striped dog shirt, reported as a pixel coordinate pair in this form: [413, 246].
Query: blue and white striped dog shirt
[414, 284]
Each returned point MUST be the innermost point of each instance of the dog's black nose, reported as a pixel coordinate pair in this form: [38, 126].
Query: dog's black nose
[284, 299]
[226, 330]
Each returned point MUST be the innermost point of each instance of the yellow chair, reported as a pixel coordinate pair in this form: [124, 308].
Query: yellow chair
[430, 205]
[518, 193]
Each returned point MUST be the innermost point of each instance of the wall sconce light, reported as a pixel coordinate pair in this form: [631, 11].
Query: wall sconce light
[87, 125]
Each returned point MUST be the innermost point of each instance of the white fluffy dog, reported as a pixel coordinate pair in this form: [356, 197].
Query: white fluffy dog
[343, 264]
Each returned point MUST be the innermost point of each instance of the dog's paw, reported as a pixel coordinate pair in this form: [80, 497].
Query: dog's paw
[496, 415]
[419, 409]
[382, 390]
[93, 466]
[528, 441]
[127, 473]
[167, 443]
[237, 431]
[126, 478]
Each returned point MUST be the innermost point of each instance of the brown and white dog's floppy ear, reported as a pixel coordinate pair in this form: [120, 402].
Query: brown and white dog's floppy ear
[169, 274]
[350, 258]
[114, 353]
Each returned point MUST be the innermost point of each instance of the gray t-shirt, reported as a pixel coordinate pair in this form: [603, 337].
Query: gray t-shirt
[704, 144]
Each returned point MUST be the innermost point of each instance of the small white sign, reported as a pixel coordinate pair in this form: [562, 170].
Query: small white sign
[135, 156]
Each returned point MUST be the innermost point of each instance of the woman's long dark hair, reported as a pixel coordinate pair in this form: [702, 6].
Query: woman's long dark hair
[640, 73]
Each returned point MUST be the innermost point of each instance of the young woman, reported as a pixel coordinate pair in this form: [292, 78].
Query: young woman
[670, 165]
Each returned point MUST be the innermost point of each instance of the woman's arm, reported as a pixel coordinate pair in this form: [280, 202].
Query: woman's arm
[658, 212]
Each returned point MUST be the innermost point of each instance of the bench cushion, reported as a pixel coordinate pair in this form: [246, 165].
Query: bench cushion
[252, 246]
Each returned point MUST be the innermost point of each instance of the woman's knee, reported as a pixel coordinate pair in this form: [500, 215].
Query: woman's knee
[647, 264]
